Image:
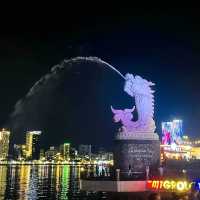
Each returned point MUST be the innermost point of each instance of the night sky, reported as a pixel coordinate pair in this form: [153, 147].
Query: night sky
[75, 107]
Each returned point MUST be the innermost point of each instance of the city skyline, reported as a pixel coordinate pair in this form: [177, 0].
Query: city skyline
[31, 152]
[176, 145]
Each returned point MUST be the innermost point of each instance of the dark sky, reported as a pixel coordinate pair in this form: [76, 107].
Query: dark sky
[161, 47]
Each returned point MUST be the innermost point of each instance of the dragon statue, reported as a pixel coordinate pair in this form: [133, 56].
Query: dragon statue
[140, 89]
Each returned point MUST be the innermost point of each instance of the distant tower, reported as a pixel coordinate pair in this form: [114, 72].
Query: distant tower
[4, 144]
[33, 145]
[66, 151]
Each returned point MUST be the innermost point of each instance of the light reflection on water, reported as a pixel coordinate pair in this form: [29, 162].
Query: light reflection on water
[39, 182]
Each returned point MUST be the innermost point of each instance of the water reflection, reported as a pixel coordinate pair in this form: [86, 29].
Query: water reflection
[65, 183]
[38, 182]
[31, 182]
[31, 192]
[3, 177]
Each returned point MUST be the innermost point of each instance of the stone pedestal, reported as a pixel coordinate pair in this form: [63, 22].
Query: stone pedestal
[137, 153]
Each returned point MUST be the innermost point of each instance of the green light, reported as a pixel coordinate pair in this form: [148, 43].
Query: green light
[65, 182]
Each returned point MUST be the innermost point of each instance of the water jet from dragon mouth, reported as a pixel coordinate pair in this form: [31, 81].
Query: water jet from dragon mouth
[45, 103]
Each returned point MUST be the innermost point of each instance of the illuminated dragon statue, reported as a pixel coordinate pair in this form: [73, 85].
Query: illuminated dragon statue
[140, 89]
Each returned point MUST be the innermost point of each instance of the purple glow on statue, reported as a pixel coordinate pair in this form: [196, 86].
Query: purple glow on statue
[125, 117]
[140, 90]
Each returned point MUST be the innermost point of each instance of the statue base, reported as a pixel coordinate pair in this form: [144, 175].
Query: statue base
[137, 136]
[137, 152]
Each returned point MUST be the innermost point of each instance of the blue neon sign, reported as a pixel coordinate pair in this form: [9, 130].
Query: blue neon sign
[197, 184]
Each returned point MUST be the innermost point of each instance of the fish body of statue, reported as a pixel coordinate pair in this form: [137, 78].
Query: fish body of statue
[125, 117]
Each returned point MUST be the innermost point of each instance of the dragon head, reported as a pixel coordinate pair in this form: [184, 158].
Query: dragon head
[137, 85]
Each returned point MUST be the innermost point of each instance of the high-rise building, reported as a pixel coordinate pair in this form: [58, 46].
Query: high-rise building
[33, 145]
[51, 153]
[65, 151]
[4, 144]
[85, 149]
[42, 154]
[20, 151]
[172, 132]
[73, 153]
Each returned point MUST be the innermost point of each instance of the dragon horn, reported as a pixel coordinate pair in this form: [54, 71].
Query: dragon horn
[130, 110]
[114, 111]
[133, 109]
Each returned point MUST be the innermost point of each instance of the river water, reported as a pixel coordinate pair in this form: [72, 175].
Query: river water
[31, 182]
[42, 182]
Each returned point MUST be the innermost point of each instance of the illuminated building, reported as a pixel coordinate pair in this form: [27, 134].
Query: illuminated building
[73, 153]
[177, 133]
[166, 132]
[42, 154]
[188, 150]
[51, 153]
[102, 155]
[20, 151]
[186, 140]
[85, 150]
[177, 152]
[33, 145]
[195, 144]
[4, 144]
[175, 145]
[65, 151]
[195, 153]
[189, 141]
[172, 132]
[108, 156]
